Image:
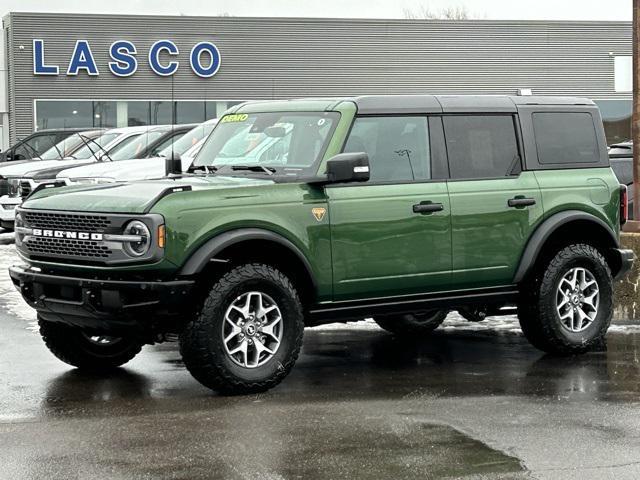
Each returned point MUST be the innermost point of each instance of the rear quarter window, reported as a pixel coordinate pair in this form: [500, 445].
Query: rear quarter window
[565, 138]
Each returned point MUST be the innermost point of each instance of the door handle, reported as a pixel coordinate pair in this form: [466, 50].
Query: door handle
[521, 202]
[427, 208]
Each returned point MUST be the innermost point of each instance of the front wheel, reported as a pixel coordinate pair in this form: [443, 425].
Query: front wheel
[249, 333]
[87, 351]
[412, 323]
[568, 306]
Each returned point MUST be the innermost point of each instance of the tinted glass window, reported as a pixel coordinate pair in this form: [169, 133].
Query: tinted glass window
[398, 147]
[565, 138]
[35, 146]
[189, 139]
[481, 146]
[64, 148]
[165, 145]
[91, 147]
[134, 146]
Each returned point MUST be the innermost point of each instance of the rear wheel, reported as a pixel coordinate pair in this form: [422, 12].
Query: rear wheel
[568, 306]
[249, 333]
[413, 323]
[87, 351]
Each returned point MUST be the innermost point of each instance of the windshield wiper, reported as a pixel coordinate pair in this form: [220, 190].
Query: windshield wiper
[254, 168]
[86, 141]
[206, 169]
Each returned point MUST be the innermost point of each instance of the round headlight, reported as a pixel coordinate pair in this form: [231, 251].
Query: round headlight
[137, 249]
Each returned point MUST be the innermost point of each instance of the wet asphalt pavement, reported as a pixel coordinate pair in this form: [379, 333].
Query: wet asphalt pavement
[469, 402]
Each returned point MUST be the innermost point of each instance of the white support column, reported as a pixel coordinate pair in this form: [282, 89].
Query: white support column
[122, 114]
[221, 107]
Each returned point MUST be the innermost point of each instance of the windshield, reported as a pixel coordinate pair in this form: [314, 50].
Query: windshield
[90, 148]
[132, 147]
[188, 140]
[63, 149]
[289, 143]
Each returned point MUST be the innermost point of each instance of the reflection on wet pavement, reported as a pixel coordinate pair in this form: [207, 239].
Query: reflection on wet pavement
[360, 403]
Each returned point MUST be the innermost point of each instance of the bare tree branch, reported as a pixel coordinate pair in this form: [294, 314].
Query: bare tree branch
[460, 12]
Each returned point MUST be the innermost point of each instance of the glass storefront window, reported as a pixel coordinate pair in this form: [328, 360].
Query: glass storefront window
[131, 113]
[162, 113]
[104, 114]
[190, 112]
[616, 116]
[137, 114]
[64, 114]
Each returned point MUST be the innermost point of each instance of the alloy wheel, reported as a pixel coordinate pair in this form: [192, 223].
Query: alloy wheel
[252, 329]
[577, 299]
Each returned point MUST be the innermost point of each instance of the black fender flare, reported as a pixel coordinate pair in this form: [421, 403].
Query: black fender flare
[201, 257]
[546, 229]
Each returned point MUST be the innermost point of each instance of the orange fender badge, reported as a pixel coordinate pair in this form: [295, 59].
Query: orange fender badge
[319, 213]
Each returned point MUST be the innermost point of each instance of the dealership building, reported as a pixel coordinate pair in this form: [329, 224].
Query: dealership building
[86, 70]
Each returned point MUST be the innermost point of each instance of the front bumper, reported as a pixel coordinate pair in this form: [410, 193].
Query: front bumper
[105, 305]
[625, 259]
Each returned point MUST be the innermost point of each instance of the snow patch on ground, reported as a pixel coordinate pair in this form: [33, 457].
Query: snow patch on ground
[10, 300]
[507, 324]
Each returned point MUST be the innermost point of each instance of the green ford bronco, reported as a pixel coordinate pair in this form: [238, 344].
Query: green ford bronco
[297, 213]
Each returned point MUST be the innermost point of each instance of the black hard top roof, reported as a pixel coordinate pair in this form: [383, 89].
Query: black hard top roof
[380, 104]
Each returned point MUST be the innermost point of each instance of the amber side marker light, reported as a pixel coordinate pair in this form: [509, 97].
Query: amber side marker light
[161, 236]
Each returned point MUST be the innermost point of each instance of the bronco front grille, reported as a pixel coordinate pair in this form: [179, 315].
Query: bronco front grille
[43, 246]
[67, 221]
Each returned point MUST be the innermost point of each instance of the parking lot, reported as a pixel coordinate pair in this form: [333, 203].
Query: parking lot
[472, 401]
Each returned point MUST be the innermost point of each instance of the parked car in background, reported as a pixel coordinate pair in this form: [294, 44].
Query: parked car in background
[36, 144]
[621, 158]
[68, 146]
[186, 146]
[93, 150]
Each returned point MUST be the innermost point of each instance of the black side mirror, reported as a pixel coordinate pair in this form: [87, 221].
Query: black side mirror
[348, 167]
[173, 164]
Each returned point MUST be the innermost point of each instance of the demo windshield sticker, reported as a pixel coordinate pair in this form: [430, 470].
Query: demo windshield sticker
[234, 118]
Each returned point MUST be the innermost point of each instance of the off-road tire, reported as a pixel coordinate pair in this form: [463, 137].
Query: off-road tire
[412, 323]
[201, 343]
[537, 311]
[72, 346]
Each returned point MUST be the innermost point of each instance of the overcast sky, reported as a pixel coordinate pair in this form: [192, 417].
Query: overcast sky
[490, 9]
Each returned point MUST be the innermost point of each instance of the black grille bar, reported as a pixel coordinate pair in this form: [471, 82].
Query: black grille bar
[67, 221]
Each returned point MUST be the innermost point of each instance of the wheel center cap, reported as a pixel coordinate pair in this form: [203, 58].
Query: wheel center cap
[250, 329]
[575, 299]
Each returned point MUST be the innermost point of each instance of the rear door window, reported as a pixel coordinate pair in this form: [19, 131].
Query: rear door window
[481, 146]
[565, 138]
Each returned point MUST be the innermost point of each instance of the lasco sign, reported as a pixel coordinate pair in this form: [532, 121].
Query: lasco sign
[163, 55]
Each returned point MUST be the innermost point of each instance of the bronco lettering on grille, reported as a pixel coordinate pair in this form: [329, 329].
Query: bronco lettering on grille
[39, 232]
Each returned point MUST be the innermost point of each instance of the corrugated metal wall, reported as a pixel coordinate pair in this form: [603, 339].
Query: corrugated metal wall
[266, 58]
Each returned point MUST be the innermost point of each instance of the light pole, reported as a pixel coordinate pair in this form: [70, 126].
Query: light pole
[635, 120]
